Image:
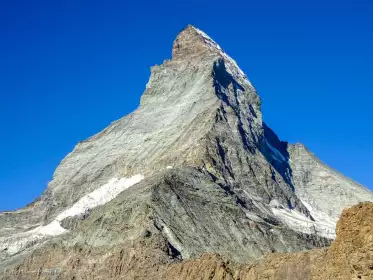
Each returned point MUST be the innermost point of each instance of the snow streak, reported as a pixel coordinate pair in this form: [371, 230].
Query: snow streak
[18, 242]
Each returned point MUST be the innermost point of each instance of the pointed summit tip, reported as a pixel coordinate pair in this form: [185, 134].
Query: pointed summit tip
[193, 28]
[192, 41]
[189, 27]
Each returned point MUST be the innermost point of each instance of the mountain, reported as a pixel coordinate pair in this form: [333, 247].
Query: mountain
[193, 170]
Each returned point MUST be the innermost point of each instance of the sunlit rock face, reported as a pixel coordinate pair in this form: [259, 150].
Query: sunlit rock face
[194, 169]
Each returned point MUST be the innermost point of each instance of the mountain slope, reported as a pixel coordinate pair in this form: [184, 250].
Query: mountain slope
[194, 169]
[349, 257]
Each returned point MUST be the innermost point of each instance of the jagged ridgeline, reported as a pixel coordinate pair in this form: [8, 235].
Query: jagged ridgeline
[193, 170]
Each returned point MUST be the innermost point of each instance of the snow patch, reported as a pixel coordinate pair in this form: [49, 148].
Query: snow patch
[17, 242]
[320, 216]
[100, 196]
[54, 228]
[274, 203]
[322, 226]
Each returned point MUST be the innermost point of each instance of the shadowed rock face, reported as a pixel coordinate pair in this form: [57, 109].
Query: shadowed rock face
[196, 170]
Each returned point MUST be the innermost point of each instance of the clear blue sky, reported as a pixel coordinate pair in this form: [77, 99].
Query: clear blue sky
[69, 68]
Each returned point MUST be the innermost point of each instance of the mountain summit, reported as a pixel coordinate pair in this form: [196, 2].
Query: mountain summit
[192, 42]
[194, 169]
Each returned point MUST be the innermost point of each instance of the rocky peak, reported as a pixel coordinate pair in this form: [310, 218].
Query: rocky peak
[191, 42]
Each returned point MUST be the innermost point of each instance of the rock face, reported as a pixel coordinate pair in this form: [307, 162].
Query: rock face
[150, 257]
[193, 170]
[349, 257]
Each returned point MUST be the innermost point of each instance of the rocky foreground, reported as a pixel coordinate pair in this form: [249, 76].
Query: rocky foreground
[349, 257]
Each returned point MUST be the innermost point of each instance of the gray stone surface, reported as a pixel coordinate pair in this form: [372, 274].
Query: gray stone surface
[324, 188]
